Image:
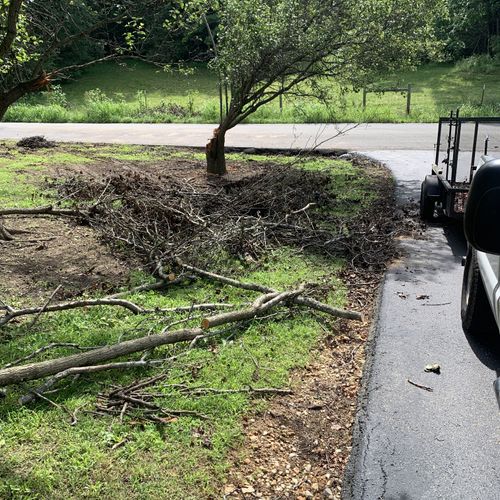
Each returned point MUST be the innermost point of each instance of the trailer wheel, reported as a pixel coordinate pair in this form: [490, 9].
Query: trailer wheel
[426, 203]
[477, 316]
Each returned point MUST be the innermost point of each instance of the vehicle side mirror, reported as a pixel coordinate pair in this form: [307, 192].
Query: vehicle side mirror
[482, 211]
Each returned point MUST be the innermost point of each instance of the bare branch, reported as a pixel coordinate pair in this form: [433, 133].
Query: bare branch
[12, 313]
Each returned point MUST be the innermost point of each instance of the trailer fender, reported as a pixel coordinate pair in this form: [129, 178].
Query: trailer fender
[433, 188]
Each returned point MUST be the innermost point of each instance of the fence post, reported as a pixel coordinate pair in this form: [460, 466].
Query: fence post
[482, 95]
[408, 99]
[364, 98]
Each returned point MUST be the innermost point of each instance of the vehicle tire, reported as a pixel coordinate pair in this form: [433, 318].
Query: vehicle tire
[426, 204]
[477, 317]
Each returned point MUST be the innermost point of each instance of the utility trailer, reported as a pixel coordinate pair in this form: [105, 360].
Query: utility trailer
[445, 189]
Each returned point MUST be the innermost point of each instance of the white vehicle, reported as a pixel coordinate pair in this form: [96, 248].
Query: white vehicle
[481, 283]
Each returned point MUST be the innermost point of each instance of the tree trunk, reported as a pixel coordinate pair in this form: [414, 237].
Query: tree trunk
[215, 151]
[4, 106]
[21, 89]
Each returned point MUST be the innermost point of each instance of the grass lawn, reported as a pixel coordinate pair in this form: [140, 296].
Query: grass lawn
[43, 456]
[138, 92]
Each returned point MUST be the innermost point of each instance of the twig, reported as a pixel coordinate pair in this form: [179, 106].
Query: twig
[48, 384]
[152, 406]
[58, 406]
[53, 345]
[424, 387]
[49, 300]
[442, 304]
[122, 413]
[141, 288]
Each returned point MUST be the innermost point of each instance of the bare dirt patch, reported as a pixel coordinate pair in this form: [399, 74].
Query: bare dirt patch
[191, 170]
[56, 252]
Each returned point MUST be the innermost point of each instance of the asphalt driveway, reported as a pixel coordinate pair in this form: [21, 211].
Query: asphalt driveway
[410, 443]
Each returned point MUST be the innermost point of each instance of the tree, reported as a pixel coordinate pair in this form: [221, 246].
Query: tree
[36, 37]
[264, 48]
[470, 27]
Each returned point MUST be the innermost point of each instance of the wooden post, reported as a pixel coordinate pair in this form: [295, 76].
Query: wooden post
[364, 98]
[408, 99]
[482, 95]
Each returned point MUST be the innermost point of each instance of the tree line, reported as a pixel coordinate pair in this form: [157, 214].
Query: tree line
[259, 48]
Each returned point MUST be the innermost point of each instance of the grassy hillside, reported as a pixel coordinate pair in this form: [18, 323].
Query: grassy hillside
[138, 92]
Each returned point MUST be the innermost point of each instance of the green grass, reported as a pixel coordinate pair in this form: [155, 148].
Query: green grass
[42, 456]
[138, 92]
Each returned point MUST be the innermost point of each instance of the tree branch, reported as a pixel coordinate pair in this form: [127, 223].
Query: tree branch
[11, 27]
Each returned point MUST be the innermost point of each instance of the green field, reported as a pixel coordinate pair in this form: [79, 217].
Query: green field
[138, 92]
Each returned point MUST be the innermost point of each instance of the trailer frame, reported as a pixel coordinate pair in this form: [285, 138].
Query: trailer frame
[440, 188]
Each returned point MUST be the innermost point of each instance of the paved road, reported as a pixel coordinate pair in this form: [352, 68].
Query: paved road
[374, 136]
[411, 444]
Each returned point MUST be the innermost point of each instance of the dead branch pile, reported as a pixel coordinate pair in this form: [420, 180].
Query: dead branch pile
[35, 142]
[161, 217]
[137, 400]
[173, 220]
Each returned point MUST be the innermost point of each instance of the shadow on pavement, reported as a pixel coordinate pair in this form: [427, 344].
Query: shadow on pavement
[454, 234]
[487, 350]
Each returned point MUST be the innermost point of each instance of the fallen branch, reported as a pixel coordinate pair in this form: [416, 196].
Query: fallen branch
[200, 391]
[42, 369]
[256, 287]
[48, 210]
[53, 345]
[12, 313]
[259, 307]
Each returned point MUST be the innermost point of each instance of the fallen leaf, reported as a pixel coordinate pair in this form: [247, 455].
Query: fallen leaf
[423, 297]
[229, 488]
[434, 368]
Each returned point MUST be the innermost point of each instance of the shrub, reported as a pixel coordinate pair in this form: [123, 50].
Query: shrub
[56, 96]
[103, 109]
[478, 63]
[45, 113]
